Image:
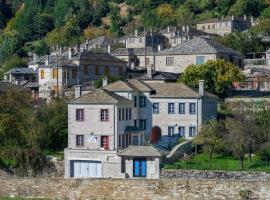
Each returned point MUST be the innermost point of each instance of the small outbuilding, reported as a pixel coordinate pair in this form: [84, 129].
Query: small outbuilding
[141, 162]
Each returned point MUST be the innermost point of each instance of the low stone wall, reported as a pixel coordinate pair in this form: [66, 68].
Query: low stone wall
[164, 189]
[225, 175]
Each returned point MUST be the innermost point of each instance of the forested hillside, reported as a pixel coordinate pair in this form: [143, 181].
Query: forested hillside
[34, 25]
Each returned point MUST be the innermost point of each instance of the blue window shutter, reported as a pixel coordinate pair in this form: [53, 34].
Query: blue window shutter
[136, 167]
[143, 163]
[199, 60]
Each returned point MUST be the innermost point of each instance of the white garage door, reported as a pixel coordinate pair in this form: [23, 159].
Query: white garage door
[86, 169]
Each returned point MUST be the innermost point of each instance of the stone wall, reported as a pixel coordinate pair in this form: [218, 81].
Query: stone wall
[221, 175]
[164, 189]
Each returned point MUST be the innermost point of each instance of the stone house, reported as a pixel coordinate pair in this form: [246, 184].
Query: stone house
[142, 40]
[58, 72]
[225, 26]
[195, 51]
[177, 35]
[108, 128]
[17, 75]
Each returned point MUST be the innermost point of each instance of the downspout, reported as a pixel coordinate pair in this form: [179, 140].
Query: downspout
[114, 127]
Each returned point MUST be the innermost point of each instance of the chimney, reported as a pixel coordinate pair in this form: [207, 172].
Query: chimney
[201, 87]
[150, 71]
[168, 29]
[18, 82]
[136, 33]
[222, 17]
[183, 28]
[109, 49]
[47, 61]
[78, 91]
[232, 17]
[252, 19]
[159, 47]
[60, 50]
[187, 29]
[35, 57]
[87, 47]
[70, 53]
[245, 17]
[105, 81]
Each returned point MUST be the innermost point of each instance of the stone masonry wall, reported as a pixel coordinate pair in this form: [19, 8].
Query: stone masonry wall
[164, 189]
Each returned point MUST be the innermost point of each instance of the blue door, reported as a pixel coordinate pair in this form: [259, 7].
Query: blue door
[139, 167]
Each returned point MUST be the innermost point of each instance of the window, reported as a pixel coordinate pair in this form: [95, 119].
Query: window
[209, 26]
[97, 70]
[181, 131]
[170, 61]
[192, 108]
[171, 108]
[129, 116]
[140, 40]
[135, 101]
[143, 124]
[182, 108]
[192, 131]
[142, 101]
[119, 114]
[170, 130]
[123, 114]
[135, 123]
[104, 142]
[155, 108]
[79, 114]
[199, 60]
[107, 70]
[147, 61]
[42, 74]
[213, 26]
[139, 167]
[85, 70]
[79, 140]
[55, 73]
[104, 115]
[74, 74]
[203, 27]
[55, 88]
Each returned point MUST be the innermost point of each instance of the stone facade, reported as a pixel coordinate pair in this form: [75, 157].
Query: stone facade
[225, 26]
[171, 189]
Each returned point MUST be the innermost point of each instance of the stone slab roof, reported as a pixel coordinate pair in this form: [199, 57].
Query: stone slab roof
[226, 19]
[21, 71]
[199, 45]
[174, 90]
[134, 51]
[140, 151]
[157, 75]
[5, 86]
[120, 86]
[101, 96]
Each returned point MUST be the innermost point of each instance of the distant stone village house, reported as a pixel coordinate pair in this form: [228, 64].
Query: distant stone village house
[177, 35]
[59, 71]
[109, 128]
[225, 25]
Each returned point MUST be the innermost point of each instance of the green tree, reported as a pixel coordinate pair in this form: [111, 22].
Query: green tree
[184, 16]
[218, 76]
[210, 135]
[115, 20]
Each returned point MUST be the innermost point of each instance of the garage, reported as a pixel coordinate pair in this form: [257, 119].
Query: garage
[85, 169]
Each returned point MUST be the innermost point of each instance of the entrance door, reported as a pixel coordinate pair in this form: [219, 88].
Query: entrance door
[85, 169]
[139, 167]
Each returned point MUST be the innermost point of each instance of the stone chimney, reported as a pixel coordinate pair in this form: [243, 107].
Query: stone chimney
[187, 29]
[47, 61]
[159, 47]
[252, 20]
[168, 29]
[78, 91]
[136, 33]
[109, 49]
[245, 17]
[201, 88]
[222, 17]
[35, 57]
[105, 81]
[183, 28]
[150, 71]
[70, 53]
[232, 17]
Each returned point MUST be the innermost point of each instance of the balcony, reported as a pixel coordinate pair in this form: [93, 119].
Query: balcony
[258, 62]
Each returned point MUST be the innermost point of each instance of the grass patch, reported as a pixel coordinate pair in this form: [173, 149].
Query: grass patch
[220, 162]
[57, 154]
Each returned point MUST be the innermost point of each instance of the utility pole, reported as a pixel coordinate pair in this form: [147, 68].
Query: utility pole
[57, 75]
[144, 47]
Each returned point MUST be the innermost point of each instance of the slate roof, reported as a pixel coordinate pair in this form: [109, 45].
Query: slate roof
[226, 19]
[181, 32]
[133, 129]
[5, 86]
[21, 71]
[174, 90]
[134, 51]
[63, 59]
[119, 86]
[198, 45]
[101, 96]
[140, 151]
[99, 42]
[157, 75]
